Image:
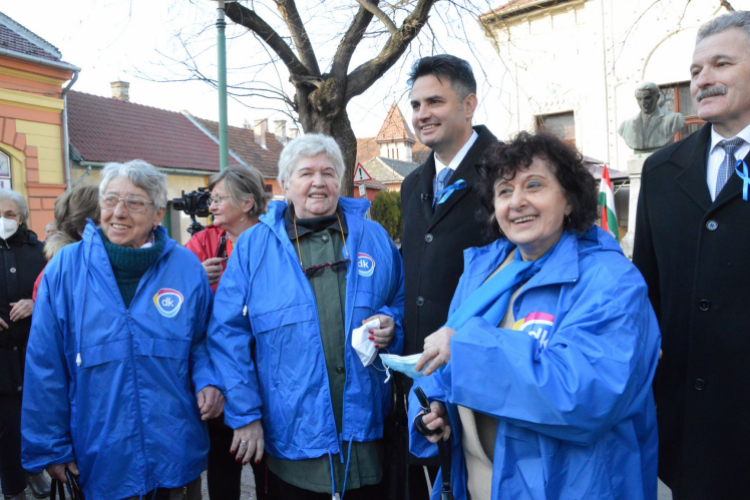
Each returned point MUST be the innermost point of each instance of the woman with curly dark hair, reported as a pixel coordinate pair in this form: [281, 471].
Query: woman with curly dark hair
[550, 346]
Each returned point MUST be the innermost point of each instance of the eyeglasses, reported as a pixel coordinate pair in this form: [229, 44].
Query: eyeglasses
[133, 202]
[215, 198]
[318, 269]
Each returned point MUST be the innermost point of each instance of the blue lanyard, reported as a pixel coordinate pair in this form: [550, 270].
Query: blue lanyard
[743, 174]
[446, 192]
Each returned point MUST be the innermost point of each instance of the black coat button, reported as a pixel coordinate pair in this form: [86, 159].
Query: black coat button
[699, 384]
[428, 238]
[339, 369]
[712, 225]
[704, 305]
[420, 301]
[325, 239]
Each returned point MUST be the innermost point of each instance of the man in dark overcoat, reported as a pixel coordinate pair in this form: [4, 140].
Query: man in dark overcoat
[437, 228]
[692, 244]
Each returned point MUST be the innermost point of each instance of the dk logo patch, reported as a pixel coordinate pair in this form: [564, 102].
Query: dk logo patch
[365, 265]
[168, 302]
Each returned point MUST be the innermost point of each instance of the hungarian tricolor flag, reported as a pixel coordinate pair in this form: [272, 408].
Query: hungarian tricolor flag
[607, 205]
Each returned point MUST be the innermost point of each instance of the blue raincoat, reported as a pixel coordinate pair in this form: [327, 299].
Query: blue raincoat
[570, 385]
[111, 388]
[264, 337]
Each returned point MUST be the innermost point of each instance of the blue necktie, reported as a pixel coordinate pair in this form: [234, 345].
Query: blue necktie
[727, 166]
[442, 180]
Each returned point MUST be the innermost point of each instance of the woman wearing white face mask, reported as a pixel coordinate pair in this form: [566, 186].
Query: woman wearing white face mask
[21, 261]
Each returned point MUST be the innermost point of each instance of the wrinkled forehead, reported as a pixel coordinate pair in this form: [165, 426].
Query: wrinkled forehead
[122, 186]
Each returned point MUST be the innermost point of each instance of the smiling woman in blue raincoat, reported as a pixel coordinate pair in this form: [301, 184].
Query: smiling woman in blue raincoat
[550, 346]
[118, 376]
[302, 379]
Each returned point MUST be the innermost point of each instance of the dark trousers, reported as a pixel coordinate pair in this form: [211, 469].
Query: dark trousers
[224, 474]
[280, 490]
[404, 473]
[12, 475]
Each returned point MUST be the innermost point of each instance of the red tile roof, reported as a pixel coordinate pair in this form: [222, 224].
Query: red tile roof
[242, 143]
[103, 129]
[395, 127]
[367, 149]
[17, 38]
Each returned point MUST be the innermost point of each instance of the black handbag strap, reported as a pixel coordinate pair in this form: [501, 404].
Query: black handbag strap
[57, 488]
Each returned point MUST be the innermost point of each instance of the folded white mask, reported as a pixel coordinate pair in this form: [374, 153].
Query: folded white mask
[362, 344]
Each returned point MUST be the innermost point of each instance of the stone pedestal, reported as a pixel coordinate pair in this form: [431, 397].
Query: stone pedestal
[635, 166]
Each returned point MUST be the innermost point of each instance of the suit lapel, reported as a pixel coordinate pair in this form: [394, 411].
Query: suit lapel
[424, 187]
[467, 171]
[692, 157]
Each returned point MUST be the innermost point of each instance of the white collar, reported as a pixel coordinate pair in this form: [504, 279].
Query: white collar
[456, 161]
[716, 138]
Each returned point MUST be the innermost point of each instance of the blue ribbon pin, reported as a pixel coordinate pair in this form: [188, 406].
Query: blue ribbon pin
[743, 174]
[446, 192]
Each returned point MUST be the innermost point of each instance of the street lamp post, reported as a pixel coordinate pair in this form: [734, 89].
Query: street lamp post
[221, 44]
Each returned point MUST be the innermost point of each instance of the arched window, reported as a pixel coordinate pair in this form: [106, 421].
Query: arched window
[5, 182]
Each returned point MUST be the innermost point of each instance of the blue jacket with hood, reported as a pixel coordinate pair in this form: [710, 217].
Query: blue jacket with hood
[264, 337]
[570, 384]
[114, 388]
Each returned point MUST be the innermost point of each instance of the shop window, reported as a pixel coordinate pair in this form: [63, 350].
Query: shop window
[5, 181]
[561, 125]
[676, 97]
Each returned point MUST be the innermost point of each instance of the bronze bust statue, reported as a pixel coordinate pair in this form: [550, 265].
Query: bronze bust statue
[652, 128]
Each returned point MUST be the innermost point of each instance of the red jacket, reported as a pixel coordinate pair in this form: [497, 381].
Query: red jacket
[205, 245]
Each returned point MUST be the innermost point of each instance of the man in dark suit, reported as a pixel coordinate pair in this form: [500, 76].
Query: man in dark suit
[437, 228]
[692, 244]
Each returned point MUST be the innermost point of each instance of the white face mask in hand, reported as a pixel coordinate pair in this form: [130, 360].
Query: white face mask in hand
[362, 344]
[8, 228]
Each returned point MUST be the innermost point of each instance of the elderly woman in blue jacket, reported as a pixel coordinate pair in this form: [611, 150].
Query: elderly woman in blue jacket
[287, 335]
[118, 376]
[542, 376]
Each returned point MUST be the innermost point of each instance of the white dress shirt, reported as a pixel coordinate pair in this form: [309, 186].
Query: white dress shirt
[717, 154]
[456, 161]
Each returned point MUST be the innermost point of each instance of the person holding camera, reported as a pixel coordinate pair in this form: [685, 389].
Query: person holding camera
[237, 200]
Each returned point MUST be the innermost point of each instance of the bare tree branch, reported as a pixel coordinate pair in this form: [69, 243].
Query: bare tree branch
[373, 9]
[365, 75]
[727, 5]
[250, 20]
[296, 27]
[349, 43]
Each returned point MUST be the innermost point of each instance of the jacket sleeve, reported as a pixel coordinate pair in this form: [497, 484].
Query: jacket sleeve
[202, 369]
[230, 341]
[395, 305]
[644, 256]
[196, 244]
[599, 361]
[45, 416]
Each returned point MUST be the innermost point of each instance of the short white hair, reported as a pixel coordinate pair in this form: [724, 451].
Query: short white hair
[307, 146]
[20, 201]
[141, 174]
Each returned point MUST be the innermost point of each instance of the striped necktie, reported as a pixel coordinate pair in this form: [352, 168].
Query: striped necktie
[442, 180]
[727, 166]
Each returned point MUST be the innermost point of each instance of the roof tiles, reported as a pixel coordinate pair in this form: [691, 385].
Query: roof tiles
[15, 37]
[103, 130]
[395, 127]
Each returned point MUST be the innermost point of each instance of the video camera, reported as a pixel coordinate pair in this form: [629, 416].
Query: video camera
[195, 204]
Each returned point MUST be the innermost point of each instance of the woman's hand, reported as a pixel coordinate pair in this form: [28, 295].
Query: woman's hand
[381, 336]
[213, 269]
[248, 441]
[435, 420]
[58, 471]
[437, 348]
[21, 309]
[210, 402]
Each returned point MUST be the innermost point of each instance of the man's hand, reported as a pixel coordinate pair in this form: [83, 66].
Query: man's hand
[210, 402]
[381, 336]
[437, 350]
[3, 325]
[434, 420]
[248, 442]
[58, 471]
[213, 269]
[21, 309]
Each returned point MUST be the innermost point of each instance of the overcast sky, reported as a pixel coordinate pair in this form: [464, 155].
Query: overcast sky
[137, 39]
